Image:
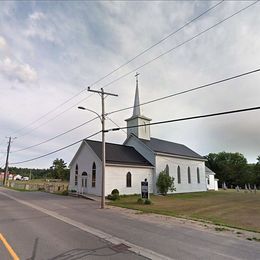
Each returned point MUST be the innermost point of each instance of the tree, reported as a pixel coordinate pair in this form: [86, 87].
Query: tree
[59, 169]
[165, 182]
[230, 168]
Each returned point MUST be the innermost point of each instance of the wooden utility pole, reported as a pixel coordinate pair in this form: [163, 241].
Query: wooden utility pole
[6, 162]
[103, 94]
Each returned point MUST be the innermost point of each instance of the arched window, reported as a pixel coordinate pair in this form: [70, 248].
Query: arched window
[94, 169]
[198, 174]
[167, 169]
[128, 179]
[76, 175]
[179, 174]
[189, 178]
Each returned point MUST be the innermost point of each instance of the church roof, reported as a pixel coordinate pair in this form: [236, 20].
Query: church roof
[208, 171]
[162, 146]
[118, 154]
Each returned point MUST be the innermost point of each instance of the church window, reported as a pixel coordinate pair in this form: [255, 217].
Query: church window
[208, 181]
[198, 175]
[128, 179]
[167, 169]
[179, 174]
[94, 169]
[189, 178]
[76, 175]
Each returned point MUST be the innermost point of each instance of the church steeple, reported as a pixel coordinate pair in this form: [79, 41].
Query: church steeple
[137, 110]
[137, 118]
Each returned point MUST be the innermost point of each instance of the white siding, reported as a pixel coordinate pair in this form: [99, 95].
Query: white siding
[184, 186]
[84, 160]
[116, 179]
[211, 184]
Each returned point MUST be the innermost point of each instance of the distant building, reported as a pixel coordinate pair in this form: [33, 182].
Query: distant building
[212, 183]
[140, 157]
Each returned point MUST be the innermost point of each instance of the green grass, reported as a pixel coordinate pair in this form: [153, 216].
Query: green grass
[224, 208]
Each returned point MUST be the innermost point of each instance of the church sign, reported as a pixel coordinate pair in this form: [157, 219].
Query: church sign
[144, 189]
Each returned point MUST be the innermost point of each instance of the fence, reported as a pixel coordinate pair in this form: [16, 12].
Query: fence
[49, 187]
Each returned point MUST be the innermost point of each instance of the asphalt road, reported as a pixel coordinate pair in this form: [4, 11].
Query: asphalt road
[45, 226]
[35, 235]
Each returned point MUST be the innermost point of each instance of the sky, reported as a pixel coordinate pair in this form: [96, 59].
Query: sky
[51, 51]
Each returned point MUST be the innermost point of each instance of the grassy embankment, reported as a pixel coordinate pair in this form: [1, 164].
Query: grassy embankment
[228, 208]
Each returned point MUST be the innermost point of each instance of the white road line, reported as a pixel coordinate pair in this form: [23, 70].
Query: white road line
[110, 238]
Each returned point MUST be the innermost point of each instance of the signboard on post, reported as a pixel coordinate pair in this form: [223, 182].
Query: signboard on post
[144, 189]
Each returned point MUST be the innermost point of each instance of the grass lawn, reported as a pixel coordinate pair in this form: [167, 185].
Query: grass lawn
[229, 208]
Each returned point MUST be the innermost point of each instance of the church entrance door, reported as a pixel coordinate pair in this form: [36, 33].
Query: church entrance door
[84, 182]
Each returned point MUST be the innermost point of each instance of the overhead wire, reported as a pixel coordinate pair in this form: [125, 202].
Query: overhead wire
[121, 66]
[187, 118]
[141, 125]
[145, 103]
[59, 135]
[190, 39]
[179, 45]
[55, 151]
[187, 90]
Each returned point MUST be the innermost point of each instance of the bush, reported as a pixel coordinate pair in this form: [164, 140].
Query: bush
[41, 189]
[140, 201]
[113, 197]
[115, 191]
[165, 182]
[147, 202]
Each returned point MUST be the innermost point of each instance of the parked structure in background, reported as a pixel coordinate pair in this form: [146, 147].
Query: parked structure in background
[140, 157]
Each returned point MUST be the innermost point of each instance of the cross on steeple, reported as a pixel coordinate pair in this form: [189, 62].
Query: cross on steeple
[136, 76]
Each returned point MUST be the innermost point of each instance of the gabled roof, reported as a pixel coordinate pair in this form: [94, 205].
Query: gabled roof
[118, 154]
[161, 146]
[208, 171]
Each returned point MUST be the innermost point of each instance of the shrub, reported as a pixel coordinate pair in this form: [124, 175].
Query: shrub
[147, 202]
[115, 191]
[113, 197]
[41, 189]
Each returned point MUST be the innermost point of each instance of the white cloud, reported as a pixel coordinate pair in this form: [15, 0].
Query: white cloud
[2, 43]
[17, 71]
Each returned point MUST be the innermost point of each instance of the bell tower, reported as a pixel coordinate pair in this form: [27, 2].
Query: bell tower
[142, 132]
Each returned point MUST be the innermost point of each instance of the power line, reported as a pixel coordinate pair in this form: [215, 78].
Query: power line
[155, 123]
[123, 65]
[188, 118]
[179, 45]
[188, 90]
[145, 103]
[55, 151]
[48, 140]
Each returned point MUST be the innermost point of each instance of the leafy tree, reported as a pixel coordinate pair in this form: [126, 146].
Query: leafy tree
[231, 168]
[59, 169]
[165, 182]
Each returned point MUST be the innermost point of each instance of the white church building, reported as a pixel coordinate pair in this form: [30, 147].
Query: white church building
[139, 157]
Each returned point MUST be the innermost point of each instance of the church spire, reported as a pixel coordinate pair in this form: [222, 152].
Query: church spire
[136, 111]
[142, 132]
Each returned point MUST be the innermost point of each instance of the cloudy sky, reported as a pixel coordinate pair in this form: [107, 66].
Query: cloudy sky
[51, 51]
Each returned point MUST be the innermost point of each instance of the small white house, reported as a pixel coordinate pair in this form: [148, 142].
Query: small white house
[212, 183]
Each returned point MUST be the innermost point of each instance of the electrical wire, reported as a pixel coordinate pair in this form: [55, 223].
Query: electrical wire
[188, 118]
[59, 135]
[145, 103]
[135, 126]
[121, 66]
[55, 151]
[179, 45]
[188, 90]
